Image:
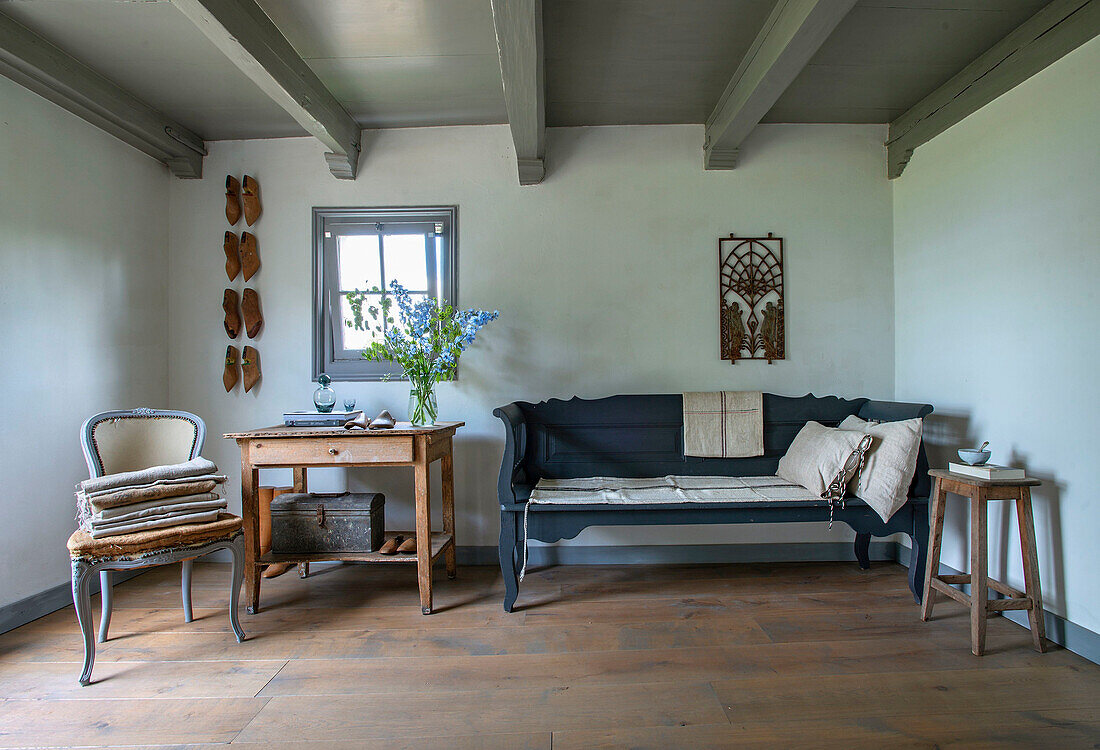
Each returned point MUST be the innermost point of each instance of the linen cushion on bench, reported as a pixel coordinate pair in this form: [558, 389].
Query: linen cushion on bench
[891, 462]
[817, 455]
[81, 544]
[668, 489]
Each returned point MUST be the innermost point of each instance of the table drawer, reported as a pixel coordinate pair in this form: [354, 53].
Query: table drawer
[330, 451]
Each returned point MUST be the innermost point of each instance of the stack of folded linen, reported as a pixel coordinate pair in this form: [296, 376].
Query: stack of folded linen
[153, 498]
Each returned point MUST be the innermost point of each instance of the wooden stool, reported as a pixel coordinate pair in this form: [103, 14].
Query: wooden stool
[980, 491]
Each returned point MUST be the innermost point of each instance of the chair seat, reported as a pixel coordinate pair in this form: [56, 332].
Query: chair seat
[82, 545]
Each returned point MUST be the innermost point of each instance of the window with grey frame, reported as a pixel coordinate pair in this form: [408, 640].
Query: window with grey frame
[360, 248]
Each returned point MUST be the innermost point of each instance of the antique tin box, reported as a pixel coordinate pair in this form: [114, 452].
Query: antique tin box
[309, 523]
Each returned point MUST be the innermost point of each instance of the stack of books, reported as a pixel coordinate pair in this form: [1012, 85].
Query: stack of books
[316, 418]
[989, 472]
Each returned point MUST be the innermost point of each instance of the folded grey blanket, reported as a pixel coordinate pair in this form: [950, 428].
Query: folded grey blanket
[196, 467]
[155, 523]
[187, 503]
[163, 489]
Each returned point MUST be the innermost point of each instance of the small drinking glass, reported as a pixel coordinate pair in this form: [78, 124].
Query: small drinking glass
[349, 404]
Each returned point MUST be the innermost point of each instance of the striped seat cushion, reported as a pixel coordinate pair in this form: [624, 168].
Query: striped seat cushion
[668, 490]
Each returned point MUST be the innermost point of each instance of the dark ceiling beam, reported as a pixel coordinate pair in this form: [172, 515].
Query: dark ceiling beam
[252, 42]
[789, 38]
[48, 71]
[518, 26]
[1049, 35]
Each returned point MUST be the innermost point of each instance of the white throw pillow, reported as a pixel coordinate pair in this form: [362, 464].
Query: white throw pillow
[817, 454]
[890, 465]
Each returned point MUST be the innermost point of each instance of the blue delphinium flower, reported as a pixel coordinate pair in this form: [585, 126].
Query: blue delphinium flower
[428, 341]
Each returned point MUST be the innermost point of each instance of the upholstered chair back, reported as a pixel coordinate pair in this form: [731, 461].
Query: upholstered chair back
[117, 441]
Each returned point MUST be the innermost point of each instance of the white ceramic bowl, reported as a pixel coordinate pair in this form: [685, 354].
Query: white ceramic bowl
[973, 456]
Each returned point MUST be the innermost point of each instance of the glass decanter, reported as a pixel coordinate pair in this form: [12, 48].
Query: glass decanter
[324, 398]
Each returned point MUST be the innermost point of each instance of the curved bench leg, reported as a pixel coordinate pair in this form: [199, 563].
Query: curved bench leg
[507, 554]
[82, 602]
[185, 589]
[918, 558]
[863, 550]
[237, 548]
[105, 595]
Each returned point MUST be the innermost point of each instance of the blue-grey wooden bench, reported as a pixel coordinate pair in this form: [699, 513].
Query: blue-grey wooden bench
[642, 436]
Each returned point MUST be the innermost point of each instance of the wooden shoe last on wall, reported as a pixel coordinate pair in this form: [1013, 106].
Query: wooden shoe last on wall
[250, 255]
[232, 307]
[250, 364]
[232, 372]
[232, 255]
[232, 200]
[253, 318]
[251, 194]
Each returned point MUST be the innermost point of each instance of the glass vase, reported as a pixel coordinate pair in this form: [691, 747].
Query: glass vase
[324, 398]
[423, 408]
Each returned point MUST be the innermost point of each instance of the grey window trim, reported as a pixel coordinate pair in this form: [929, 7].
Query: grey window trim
[325, 360]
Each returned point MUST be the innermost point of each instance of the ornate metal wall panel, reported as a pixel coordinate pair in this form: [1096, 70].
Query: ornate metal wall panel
[750, 298]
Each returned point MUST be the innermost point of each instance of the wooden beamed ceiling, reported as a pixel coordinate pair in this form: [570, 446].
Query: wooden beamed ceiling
[1046, 37]
[252, 42]
[50, 72]
[643, 61]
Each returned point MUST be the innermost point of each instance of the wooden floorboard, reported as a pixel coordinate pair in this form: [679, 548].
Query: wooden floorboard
[753, 655]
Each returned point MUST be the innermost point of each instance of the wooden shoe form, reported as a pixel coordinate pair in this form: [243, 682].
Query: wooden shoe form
[232, 372]
[232, 307]
[253, 318]
[250, 365]
[232, 255]
[250, 255]
[251, 196]
[408, 547]
[232, 200]
[389, 547]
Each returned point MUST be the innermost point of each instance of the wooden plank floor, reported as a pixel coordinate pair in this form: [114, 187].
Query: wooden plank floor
[778, 655]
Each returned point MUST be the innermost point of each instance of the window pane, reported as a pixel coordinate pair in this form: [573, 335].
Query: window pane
[358, 254]
[406, 260]
[352, 338]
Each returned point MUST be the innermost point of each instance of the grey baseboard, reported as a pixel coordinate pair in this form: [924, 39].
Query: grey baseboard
[1068, 635]
[43, 603]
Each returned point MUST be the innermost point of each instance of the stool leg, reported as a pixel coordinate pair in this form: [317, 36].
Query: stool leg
[979, 579]
[1026, 522]
[939, 500]
[107, 604]
[82, 602]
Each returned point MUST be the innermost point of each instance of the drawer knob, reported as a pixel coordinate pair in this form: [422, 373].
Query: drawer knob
[332, 451]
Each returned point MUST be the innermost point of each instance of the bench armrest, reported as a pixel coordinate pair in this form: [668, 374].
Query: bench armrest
[512, 485]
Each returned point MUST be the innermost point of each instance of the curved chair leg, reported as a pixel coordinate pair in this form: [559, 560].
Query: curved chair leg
[237, 548]
[185, 587]
[105, 595]
[82, 602]
[863, 550]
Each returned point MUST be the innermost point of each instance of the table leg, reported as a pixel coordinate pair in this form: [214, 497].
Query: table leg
[939, 500]
[423, 528]
[1031, 568]
[979, 580]
[301, 484]
[250, 512]
[447, 468]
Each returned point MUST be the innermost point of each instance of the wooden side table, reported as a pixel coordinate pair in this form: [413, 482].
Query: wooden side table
[300, 448]
[980, 492]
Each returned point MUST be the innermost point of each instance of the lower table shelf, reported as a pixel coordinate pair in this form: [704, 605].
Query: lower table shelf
[440, 542]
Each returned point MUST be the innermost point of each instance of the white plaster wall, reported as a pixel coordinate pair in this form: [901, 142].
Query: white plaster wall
[997, 264]
[604, 276]
[83, 315]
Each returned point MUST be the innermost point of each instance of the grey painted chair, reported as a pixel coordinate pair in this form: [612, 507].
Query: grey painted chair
[118, 441]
